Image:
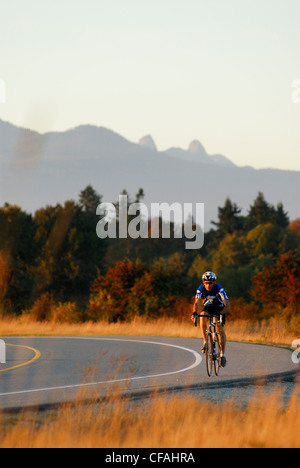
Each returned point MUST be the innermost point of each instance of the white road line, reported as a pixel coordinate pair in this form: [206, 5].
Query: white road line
[197, 362]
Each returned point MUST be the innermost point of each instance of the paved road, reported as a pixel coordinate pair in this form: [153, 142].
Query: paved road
[46, 370]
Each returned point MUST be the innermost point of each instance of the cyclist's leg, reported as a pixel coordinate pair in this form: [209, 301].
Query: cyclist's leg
[223, 339]
[204, 326]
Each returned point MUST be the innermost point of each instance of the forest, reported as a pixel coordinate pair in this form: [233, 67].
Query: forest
[54, 267]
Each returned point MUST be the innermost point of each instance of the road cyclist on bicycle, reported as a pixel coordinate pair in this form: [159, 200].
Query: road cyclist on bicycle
[215, 302]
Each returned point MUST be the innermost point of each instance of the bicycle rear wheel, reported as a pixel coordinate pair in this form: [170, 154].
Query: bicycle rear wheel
[209, 354]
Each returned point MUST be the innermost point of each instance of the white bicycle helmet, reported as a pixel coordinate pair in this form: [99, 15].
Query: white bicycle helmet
[209, 276]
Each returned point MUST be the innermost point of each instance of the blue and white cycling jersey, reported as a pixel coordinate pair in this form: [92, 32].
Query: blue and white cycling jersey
[215, 297]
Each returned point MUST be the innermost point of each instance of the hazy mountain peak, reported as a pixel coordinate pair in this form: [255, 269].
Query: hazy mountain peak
[36, 170]
[148, 142]
[196, 147]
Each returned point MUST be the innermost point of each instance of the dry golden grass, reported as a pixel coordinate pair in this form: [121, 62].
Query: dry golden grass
[272, 331]
[162, 423]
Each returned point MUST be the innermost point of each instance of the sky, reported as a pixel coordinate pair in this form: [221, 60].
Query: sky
[218, 71]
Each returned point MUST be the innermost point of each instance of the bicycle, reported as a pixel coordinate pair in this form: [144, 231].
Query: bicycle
[213, 347]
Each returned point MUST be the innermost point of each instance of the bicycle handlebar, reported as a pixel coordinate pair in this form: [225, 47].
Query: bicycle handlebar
[205, 316]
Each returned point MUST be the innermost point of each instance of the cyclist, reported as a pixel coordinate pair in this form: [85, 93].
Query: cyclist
[216, 302]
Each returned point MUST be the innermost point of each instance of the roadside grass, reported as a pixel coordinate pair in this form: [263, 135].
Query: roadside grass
[271, 331]
[162, 422]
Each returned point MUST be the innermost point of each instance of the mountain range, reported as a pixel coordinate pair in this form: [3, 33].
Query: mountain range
[44, 169]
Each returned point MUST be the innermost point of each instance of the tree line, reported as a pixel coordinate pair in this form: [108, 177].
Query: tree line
[54, 257]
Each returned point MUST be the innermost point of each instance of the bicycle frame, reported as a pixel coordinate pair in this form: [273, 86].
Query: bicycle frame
[213, 348]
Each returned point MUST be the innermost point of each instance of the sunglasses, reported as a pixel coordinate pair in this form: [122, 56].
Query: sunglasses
[208, 282]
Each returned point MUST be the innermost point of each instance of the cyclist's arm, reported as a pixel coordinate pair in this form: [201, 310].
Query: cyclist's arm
[195, 307]
[196, 304]
[224, 298]
[226, 306]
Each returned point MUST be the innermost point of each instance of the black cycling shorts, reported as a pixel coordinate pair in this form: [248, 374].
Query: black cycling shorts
[217, 311]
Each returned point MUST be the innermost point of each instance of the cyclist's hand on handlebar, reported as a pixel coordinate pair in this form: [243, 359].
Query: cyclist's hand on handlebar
[193, 316]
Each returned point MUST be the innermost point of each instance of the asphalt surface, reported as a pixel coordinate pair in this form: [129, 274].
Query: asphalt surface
[41, 371]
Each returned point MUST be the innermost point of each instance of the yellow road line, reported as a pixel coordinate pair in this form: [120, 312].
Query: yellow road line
[36, 357]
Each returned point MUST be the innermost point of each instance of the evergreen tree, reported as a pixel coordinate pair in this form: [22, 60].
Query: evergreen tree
[282, 218]
[19, 249]
[89, 199]
[229, 218]
[261, 212]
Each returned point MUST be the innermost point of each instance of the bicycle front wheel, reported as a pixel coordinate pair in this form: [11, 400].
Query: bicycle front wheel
[217, 355]
[209, 354]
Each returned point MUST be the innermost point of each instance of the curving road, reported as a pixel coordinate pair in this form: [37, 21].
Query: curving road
[41, 371]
